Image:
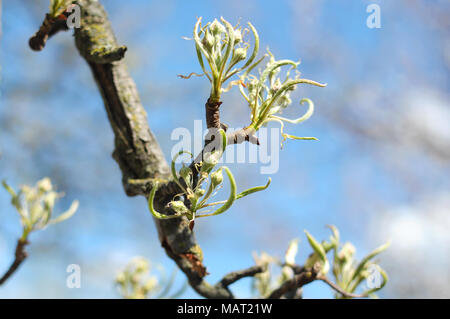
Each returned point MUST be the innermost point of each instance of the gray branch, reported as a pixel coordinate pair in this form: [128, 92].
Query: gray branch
[137, 151]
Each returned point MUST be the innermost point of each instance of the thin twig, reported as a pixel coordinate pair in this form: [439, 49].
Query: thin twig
[186, 77]
[237, 275]
[300, 280]
[339, 289]
[20, 256]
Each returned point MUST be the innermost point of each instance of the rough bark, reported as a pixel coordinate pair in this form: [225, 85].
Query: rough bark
[136, 149]
[141, 160]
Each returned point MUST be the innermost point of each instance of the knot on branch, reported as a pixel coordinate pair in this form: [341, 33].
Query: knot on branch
[245, 134]
[105, 55]
[196, 264]
[49, 27]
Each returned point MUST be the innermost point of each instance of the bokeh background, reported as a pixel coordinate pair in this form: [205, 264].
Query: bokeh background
[380, 170]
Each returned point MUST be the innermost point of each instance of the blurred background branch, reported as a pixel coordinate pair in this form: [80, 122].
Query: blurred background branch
[35, 207]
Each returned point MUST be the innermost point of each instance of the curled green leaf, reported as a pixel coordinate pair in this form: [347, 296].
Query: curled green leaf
[266, 107]
[302, 118]
[174, 171]
[224, 140]
[288, 136]
[253, 190]
[67, 214]
[151, 207]
[364, 262]
[231, 198]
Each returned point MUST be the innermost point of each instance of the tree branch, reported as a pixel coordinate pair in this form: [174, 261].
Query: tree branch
[212, 114]
[20, 255]
[49, 27]
[303, 278]
[238, 275]
[339, 289]
[136, 149]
